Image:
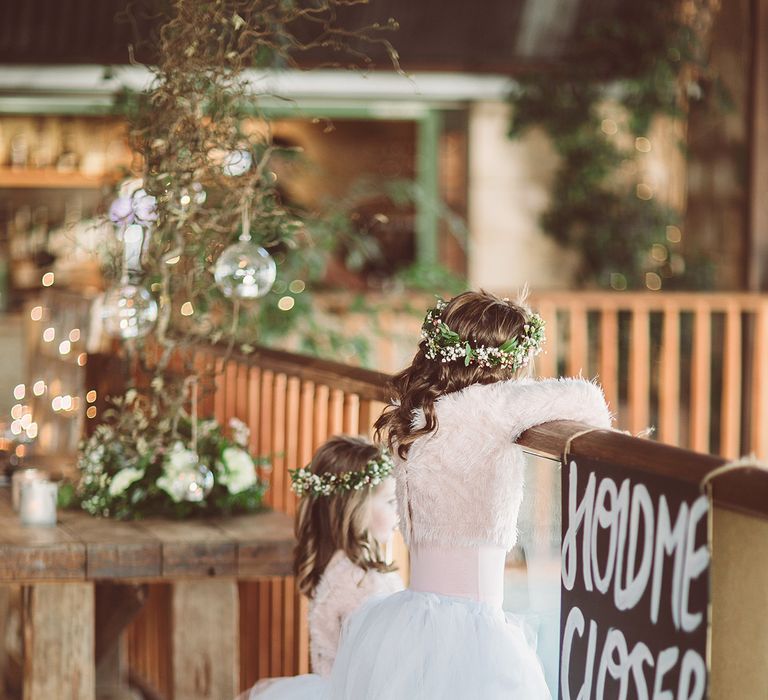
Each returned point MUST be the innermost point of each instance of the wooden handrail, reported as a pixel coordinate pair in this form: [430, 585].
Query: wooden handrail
[745, 491]
[367, 384]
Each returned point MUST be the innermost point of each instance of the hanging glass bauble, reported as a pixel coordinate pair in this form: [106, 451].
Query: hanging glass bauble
[245, 271]
[237, 163]
[128, 311]
[158, 184]
[192, 484]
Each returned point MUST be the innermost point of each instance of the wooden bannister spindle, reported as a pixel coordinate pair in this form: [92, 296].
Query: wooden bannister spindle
[759, 427]
[279, 473]
[576, 362]
[700, 378]
[608, 367]
[669, 378]
[730, 408]
[639, 370]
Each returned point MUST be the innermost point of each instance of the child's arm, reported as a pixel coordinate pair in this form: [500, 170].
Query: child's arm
[514, 406]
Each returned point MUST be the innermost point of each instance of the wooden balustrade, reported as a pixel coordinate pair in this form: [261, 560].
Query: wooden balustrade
[291, 404]
[691, 365]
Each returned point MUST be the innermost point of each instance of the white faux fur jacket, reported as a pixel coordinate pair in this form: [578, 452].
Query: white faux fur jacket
[462, 485]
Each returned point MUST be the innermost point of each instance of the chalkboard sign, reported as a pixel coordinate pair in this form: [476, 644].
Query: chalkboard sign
[635, 585]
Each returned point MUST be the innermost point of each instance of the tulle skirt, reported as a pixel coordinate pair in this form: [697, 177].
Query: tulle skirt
[306, 687]
[422, 646]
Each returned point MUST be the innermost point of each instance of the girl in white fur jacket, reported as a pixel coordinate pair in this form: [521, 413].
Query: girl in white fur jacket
[346, 517]
[452, 424]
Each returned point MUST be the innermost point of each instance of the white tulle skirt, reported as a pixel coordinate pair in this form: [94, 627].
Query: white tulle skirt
[422, 646]
[306, 687]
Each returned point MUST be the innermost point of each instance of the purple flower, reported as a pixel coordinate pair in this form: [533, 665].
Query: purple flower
[144, 206]
[121, 211]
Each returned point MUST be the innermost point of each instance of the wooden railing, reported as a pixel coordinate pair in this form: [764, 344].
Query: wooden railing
[292, 404]
[694, 366]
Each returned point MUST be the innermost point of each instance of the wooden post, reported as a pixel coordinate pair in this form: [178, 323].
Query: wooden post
[206, 640]
[758, 150]
[739, 606]
[59, 641]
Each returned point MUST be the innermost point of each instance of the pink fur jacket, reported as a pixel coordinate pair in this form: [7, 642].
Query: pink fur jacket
[342, 589]
[462, 485]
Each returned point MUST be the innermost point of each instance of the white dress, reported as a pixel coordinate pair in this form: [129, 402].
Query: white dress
[459, 495]
[342, 589]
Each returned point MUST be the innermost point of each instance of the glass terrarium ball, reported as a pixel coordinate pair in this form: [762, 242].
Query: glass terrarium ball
[193, 484]
[237, 163]
[245, 271]
[128, 311]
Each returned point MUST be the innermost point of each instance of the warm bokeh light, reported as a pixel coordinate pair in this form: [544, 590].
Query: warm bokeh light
[19, 391]
[187, 309]
[49, 334]
[37, 313]
[47, 280]
[286, 303]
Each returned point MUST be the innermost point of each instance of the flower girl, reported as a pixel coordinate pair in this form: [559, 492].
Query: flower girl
[454, 416]
[346, 517]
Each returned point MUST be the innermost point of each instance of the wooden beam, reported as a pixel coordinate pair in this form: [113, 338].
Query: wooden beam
[59, 641]
[206, 640]
[758, 150]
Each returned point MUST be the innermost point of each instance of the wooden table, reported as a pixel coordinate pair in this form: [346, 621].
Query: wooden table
[79, 590]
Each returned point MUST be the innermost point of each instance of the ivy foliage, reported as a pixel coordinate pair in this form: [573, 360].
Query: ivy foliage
[646, 59]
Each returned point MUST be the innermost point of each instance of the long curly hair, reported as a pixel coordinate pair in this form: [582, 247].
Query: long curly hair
[478, 317]
[325, 524]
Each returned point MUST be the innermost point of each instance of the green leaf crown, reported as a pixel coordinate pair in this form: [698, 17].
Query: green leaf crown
[445, 345]
[305, 482]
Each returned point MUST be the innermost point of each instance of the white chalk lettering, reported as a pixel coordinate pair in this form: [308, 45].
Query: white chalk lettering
[693, 669]
[637, 579]
[696, 562]
[578, 515]
[669, 541]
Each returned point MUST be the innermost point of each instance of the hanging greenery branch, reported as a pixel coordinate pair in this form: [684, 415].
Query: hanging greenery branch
[645, 59]
[216, 230]
[208, 247]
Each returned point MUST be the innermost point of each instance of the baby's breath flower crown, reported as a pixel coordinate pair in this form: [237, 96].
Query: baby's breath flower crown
[304, 482]
[445, 345]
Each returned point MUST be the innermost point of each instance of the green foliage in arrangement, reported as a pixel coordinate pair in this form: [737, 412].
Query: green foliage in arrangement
[143, 461]
[644, 59]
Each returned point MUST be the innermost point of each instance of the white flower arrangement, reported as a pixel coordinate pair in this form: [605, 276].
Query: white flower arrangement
[140, 463]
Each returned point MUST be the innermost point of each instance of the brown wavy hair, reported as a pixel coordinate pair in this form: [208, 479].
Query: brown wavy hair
[481, 319]
[325, 524]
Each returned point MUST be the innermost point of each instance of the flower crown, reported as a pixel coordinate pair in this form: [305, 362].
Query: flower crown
[303, 481]
[445, 345]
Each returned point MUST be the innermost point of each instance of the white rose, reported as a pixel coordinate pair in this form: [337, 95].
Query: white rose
[179, 469]
[237, 471]
[123, 479]
[240, 431]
